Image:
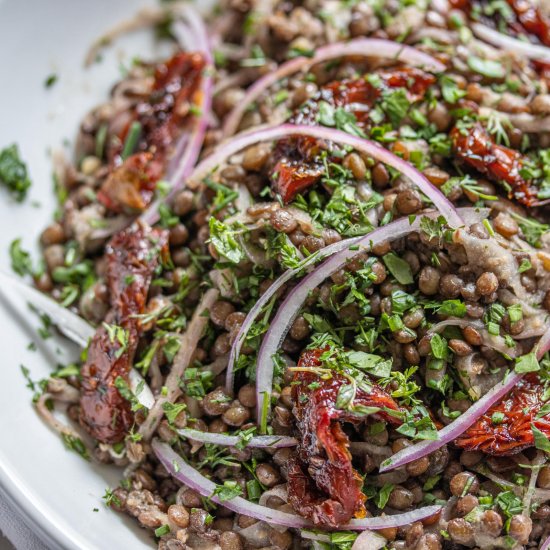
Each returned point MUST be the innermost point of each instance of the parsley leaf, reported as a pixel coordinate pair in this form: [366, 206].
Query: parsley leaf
[399, 268]
[224, 240]
[486, 67]
[21, 261]
[541, 441]
[172, 410]
[13, 172]
[229, 490]
[383, 495]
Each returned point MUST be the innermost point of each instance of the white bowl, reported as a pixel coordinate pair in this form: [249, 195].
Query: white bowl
[58, 493]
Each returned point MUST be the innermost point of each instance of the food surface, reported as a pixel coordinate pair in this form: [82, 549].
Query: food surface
[314, 245]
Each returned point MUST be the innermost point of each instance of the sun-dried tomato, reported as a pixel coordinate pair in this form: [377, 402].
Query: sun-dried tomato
[296, 168]
[130, 187]
[527, 18]
[505, 429]
[132, 256]
[476, 148]
[531, 18]
[162, 116]
[322, 483]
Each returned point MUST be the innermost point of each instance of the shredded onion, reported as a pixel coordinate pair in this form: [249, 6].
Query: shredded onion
[189, 342]
[364, 47]
[532, 51]
[194, 139]
[179, 469]
[463, 422]
[262, 441]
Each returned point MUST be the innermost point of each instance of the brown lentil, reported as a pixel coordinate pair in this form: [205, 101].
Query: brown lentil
[236, 415]
[429, 280]
[400, 498]
[491, 522]
[216, 402]
[231, 541]
[487, 283]
[461, 531]
[283, 221]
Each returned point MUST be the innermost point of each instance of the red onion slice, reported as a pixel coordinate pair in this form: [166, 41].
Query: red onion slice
[464, 421]
[179, 469]
[189, 148]
[545, 544]
[364, 47]
[262, 441]
[532, 51]
[366, 146]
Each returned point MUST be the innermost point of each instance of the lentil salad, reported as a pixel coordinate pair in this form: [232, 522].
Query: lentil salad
[318, 237]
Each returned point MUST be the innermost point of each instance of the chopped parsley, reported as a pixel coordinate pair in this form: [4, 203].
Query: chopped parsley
[13, 172]
[399, 268]
[21, 261]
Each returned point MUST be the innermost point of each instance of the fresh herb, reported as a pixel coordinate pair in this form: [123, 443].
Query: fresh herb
[13, 172]
[497, 418]
[438, 344]
[196, 383]
[118, 335]
[253, 490]
[131, 141]
[515, 313]
[449, 89]
[74, 443]
[486, 67]
[399, 268]
[383, 495]
[339, 118]
[450, 308]
[50, 80]
[225, 241]
[433, 229]
[532, 229]
[524, 266]
[541, 441]
[21, 261]
[124, 389]
[110, 498]
[395, 104]
[509, 503]
[228, 491]
[162, 530]
[172, 411]
[373, 364]
[527, 363]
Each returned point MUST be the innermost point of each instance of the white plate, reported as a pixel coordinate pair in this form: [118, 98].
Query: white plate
[55, 489]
